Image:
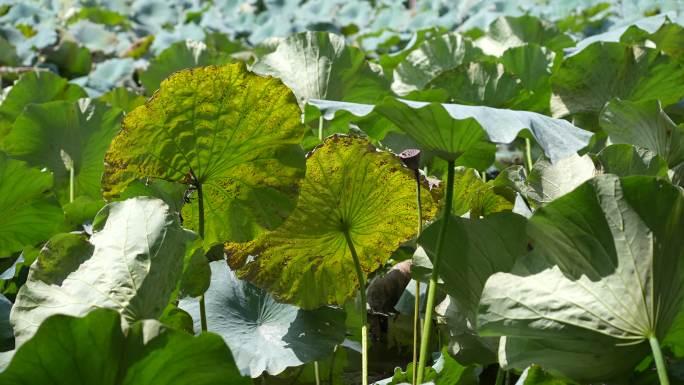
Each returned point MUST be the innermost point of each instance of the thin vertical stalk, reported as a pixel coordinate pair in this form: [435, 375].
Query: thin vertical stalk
[659, 361]
[317, 375]
[500, 376]
[416, 305]
[432, 287]
[331, 373]
[200, 210]
[528, 155]
[320, 128]
[71, 184]
[364, 315]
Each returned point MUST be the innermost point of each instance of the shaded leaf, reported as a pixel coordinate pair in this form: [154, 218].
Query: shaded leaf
[264, 335]
[626, 160]
[508, 32]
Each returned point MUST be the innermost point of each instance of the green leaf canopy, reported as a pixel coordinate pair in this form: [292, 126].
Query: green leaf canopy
[45, 133]
[132, 263]
[35, 87]
[603, 71]
[265, 335]
[606, 273]
[94, 350]
[509, 32]
[29, 212]
[234, 132]
[320, 65]
[349, 186]
[450, 130]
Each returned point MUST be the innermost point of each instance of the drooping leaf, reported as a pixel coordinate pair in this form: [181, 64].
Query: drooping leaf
[670, 39]
[431, 58]
[627, 72]
[605, 275]
[349, 186]
[626, 160]
[231, 131]
[30, 213]
[35, 87]
[178, 56]
[132, 263]
[451, 129]
[320, 65]
[45, 133]
[94, 350]
[644, 124]
[508, 32]
[264, 335]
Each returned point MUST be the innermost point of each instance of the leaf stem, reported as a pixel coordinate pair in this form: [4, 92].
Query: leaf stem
[416, 304]
[500, 376]
[200, 210]
[71, 184]
[432, 287]
[364, 315]
[317, 375]
[659, 361]
[320, 128]
[528, 154]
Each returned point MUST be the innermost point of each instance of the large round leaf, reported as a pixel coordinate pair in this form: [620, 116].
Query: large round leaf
[60, 134]
[265, 335]
[231, 131]
[508, 32]
[29, 212]
[603, 71]
[132, 263]
[94, 350]
[320, 65]
[452, 129]
[349, 186]
[606, 273]
[35, 87]
[430, 59]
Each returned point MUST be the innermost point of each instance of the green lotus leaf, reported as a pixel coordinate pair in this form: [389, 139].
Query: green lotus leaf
[605, 275]
[508, 31]
[531, 63]
[320, 65]
[30, 214]
[453, 130]
[536, 375]
[431, 58]
[626, 160]
[445, 371]
[644, 124]
[123, 98]
[8, 55]
[548, 181]
[71, 59]
[669, 38]
[480, 247]
[627, 72]
[479, 198]
[94, 350]
[131, 263]
[60, 135]
[234, 133]
[35, 87]
[265, 335]
[476, 83]
[349, 186]
[178, 56]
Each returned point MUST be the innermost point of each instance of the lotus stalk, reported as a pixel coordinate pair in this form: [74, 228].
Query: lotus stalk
[200, 210]
[659, 361]
[364, 315]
